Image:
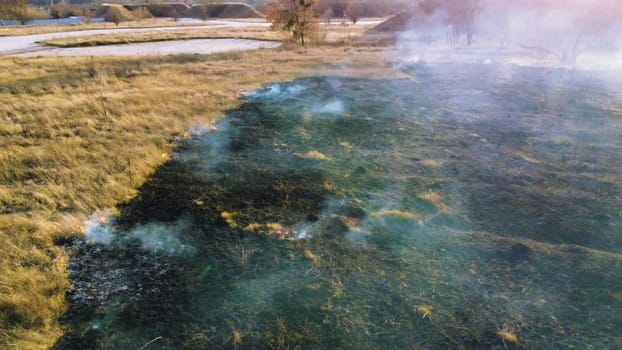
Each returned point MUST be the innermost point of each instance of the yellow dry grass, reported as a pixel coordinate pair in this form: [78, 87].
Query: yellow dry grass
[398, 214]
[507, 336]
[82, 134]
[430, 163]
[436, 200]
[424, 310]
[271, 229]
[229, 218]
[256, 33]
[312, 257]
[526, 157]
[313, 155]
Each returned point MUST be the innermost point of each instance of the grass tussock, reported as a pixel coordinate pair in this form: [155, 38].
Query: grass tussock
[272, 230]
[81, 134]
[430, 163]
[313, 155]
[435, 199]
[315, 260]
[526, 157]
[398, 214]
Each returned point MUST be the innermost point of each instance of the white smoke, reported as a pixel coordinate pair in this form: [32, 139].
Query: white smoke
[158, 238]
[163, 238]
[97, 229]
[330, 107]
[279, 91]
[582, 34]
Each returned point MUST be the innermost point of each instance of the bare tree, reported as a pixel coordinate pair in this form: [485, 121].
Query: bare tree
[353, 12]
[204, 12]
[86, 13]
[174, 14]
[571, 49]
[461, 19]
[596, 29]
[296, 16]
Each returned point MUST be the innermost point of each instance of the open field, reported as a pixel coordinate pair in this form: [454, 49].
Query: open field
[335, 196]
[81, 134]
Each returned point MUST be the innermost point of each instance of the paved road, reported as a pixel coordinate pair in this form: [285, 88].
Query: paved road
[28, 44]
[195, 46]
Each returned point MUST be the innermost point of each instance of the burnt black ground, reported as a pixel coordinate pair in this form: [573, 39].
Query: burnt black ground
[524, 234]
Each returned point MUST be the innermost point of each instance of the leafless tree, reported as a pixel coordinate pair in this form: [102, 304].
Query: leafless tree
[461, 19]
[353, 12]
[296, 16]
[174, 14]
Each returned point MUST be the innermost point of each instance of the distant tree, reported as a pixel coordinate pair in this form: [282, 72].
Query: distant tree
[327, 15]
[204, 12]
[260, 5]
[60, 10]
[296, 16]
[3, 12]
[568, 32]
[596, 28]
[86, 13]
[338, 8]
[174, 14]
[461, 18]
[115, 18]
[426, 20]
[14, 9]
[428, 7]
[353, 11]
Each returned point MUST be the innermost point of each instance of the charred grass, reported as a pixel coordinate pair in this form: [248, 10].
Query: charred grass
[81, 134]
[401, 251]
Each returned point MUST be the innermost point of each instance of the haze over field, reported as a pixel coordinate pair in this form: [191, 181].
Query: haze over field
[584, 33]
